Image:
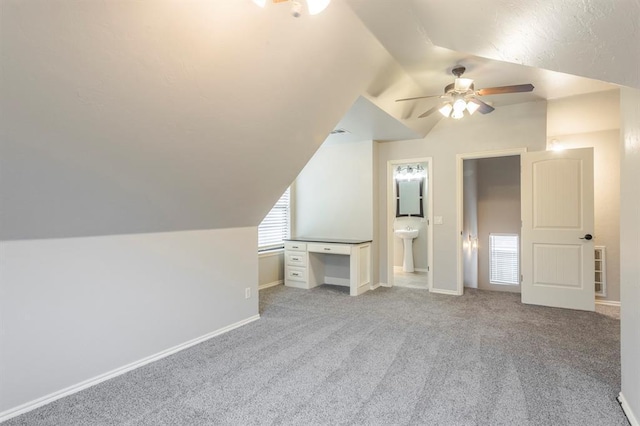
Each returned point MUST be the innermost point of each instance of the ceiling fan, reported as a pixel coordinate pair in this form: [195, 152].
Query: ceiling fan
[460, 96]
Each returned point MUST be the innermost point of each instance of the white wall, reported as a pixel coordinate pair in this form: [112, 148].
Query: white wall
[630, 250]
[498, 210]
[334, 192]
[512, 126]
[73, 309]
[593, 121]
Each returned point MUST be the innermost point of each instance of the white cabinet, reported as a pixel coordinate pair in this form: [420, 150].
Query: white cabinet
[311, 263]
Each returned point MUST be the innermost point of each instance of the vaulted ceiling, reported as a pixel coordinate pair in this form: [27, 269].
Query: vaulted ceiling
[126, 117]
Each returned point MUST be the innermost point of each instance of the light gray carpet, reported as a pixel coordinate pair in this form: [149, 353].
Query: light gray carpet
[388, 357]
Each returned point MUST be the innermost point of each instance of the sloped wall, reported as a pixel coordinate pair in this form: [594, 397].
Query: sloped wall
[132, 117]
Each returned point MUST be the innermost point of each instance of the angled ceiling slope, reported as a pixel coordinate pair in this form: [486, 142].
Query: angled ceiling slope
[130, 117]
[592, 39]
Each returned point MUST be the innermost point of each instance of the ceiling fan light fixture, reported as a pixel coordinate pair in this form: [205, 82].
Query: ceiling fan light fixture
[462, 84]
[457, 115]
[459, 105]
[445, 109]
[317, 6]
[260, 3]
[472, 107]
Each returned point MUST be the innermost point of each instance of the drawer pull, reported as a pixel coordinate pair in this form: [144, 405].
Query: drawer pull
[295, 274]
[327, 249]
[295, 247]
[297, 259]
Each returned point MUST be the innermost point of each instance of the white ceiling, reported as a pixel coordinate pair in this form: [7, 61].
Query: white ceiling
[400, 28]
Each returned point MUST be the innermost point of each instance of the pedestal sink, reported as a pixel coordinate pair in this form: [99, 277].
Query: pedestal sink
[407, 236]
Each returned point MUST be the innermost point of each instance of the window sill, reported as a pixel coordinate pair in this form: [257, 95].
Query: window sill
[272, 252]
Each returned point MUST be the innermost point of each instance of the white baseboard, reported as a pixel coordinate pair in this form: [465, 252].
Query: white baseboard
[374, 286]
[417, 287]
[32, 405]
[607, 302]
[627, 411]
[271, 284]
[344, 282]
[399, 269]
[384, 285]
[442, 291]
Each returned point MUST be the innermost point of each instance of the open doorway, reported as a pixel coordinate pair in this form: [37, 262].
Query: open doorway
[489, 221]
[409, 237]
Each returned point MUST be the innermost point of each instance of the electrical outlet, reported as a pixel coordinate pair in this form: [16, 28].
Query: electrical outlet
[247, 292]
[437, 220]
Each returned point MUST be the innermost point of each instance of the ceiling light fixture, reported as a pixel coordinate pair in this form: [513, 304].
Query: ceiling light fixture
[313, 6]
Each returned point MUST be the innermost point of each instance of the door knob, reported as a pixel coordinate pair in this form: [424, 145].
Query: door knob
[587, 237]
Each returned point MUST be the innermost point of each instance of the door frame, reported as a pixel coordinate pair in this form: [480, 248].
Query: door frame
[460, 202]
[391, 203]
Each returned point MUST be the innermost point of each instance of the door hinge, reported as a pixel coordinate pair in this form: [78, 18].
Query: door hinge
[428, 269]
[521, 278]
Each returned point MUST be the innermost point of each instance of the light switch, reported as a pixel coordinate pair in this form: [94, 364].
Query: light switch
[437, 220]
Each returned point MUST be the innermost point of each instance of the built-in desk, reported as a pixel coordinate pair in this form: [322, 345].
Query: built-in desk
[310, 262]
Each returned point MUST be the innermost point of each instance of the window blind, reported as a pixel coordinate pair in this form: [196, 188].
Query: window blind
[503, 259]
[274, 228]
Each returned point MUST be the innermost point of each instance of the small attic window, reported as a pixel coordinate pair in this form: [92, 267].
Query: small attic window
[274, 228]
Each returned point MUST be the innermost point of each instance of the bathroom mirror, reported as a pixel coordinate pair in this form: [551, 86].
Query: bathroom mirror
[409, 198]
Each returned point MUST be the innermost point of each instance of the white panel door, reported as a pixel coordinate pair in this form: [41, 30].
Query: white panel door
[557, 229]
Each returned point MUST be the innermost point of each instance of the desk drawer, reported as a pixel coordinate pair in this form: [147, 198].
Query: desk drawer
[330, 248]
[296, 258]
[297, 274]
[294, 245]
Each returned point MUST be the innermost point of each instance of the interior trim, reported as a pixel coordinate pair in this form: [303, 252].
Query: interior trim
[608, 302]
[627, 410]
[36, 403]
[271, 284]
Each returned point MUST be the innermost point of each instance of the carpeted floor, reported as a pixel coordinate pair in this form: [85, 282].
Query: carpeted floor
[389, 357]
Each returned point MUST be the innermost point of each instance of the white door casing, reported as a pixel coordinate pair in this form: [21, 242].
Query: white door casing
[557, 260]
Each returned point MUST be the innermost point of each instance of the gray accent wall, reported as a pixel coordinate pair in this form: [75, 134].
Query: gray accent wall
[270, 268]
[498, 210]
[470, 223]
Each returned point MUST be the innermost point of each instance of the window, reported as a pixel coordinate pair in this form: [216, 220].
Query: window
[503, 259]
[274, 228]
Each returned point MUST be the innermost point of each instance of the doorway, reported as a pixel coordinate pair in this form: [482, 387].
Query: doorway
[491, 223]
[409, 224]
[489, 220]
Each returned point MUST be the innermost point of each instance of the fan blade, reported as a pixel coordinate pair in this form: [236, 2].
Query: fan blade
[429, 112]
[506, 89]
[484, 107]
[418, 97]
